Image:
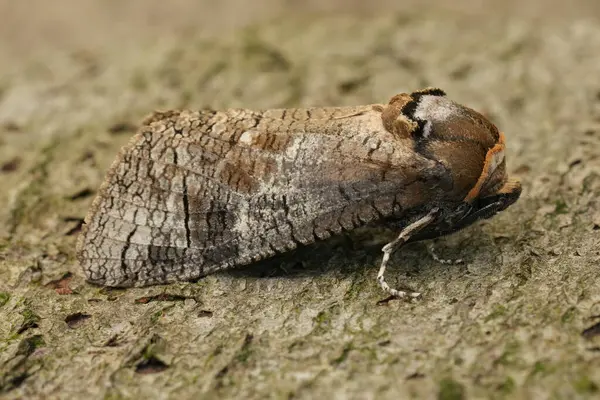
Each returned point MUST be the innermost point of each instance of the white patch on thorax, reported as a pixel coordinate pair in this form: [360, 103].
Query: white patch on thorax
[435, 108]
[427, 129]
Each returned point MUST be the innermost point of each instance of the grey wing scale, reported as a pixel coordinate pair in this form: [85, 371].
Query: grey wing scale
[198, 192]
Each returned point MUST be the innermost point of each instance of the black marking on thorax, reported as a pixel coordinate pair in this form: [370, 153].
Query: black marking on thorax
[410, 108]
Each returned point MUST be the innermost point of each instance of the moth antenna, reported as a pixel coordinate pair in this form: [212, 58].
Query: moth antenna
[447, 261]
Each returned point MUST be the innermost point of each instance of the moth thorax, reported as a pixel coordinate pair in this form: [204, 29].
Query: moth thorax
[462, 139]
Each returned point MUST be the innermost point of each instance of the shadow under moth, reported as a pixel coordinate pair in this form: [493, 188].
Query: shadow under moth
[195, 192]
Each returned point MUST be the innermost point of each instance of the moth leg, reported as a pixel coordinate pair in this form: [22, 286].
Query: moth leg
[394, 245]
[448, 261]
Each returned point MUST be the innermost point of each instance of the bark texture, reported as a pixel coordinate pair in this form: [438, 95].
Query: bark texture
[514, 321]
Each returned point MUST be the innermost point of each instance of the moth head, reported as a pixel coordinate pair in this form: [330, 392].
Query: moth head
[469, 147]
[466, 143]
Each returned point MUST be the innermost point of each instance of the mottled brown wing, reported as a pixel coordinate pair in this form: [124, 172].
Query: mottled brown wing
[197, 192]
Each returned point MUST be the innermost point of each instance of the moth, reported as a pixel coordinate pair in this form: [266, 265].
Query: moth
[195, 192]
